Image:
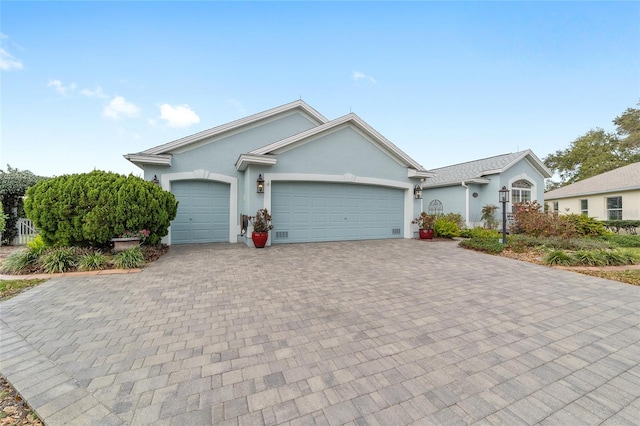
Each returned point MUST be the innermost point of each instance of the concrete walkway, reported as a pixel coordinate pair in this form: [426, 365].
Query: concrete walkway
[378, 332]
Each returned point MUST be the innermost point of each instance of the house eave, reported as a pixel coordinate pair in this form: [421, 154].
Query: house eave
[588, 193]
[478, 181]
[153, 159]
[413, 173]
[247, 159]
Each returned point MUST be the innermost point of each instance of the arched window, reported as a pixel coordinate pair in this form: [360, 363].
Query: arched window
[520, 192]
[435, 207]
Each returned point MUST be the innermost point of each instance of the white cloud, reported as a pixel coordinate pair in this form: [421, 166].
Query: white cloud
[357, 75]
[178, 116]
[60, 88]
[8, 62]
[119, 107]
[97, 93]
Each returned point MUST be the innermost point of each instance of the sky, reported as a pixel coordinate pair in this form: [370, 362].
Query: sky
[83, 83]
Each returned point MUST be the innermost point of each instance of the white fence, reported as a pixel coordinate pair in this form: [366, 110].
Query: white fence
[26, 232]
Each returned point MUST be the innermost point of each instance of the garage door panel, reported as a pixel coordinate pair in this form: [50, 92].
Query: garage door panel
[203, 212]
[334, 212]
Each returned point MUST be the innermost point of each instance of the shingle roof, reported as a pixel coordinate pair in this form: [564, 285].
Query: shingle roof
[624, 178]
[477, 170]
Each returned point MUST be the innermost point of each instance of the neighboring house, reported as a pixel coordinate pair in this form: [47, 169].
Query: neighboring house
[613, 195]
[324, 180]
[467, 187]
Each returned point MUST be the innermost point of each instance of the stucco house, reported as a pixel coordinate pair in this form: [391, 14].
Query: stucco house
[322, 180]
[613, 195]
[467, 187]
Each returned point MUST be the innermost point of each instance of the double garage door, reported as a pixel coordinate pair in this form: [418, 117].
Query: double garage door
[302, 212]
[203, 212]
[307, 212]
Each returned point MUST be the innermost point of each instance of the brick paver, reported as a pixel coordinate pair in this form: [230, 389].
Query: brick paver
[371, 332]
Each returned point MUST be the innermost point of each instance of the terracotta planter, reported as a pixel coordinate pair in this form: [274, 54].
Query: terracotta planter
[259, 239]
[122, 244]
[426, 234]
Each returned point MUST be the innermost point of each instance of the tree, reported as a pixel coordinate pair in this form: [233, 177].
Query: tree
[13, 186]
[598, 151]
[3, 219]
[629, 128]
[91, 208]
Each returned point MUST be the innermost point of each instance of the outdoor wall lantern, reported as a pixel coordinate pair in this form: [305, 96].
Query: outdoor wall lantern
[155, 180]
[504, 199]
[417, 192]
[260, 183]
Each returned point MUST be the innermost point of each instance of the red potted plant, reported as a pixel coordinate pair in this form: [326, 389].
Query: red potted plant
[261, 227]
[425, 223]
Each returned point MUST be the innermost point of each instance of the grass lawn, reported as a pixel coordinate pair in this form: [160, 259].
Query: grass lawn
[10, 288]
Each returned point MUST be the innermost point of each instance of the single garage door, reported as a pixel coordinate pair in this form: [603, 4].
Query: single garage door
[306, 212]
[203, 212]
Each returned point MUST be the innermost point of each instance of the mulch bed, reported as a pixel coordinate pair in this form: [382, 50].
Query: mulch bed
[13, 409]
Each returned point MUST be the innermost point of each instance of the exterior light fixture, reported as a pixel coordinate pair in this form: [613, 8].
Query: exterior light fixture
[155, 180]
[417, 192]
[260, 184]
[504, 199]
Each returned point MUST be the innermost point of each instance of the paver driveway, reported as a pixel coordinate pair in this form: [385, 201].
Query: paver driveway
[378, 332]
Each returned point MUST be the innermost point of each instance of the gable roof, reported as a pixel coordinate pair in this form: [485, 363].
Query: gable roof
[158, 154]
[624, 178]
[351, 119]
[475, 171]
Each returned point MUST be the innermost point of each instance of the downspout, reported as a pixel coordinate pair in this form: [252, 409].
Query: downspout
[466, 203]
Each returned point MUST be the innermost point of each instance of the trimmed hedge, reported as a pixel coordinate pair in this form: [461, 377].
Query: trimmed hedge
[629, 226]
[91, 208]
[486, 245]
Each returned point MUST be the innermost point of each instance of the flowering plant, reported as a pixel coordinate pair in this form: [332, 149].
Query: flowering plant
[261, 221]
[142, 234]
[425, 221]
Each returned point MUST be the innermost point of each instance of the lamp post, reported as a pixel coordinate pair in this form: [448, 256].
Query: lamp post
[504, 199]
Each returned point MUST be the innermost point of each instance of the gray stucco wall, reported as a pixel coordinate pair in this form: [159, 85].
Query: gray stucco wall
[454, 197]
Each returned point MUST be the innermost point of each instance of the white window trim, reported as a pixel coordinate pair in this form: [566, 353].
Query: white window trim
[234, 225]
[534, 188]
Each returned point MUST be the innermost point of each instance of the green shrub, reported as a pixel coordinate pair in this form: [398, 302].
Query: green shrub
[479, 233]
[19, 262]
[489, 216]
[455, 218]
[129, 259]
[444, 227]
[486, 245]
[558, 242]
[59, 259]
[623, 240]
[92, 261]
[37, 245]
[558, 257]
[91, 208]
[589, 257]
[620, 257]
[25, 260]
[584, 226]
[629, 226]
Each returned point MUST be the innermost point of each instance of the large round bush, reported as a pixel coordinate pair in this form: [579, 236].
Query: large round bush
[91, 208]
